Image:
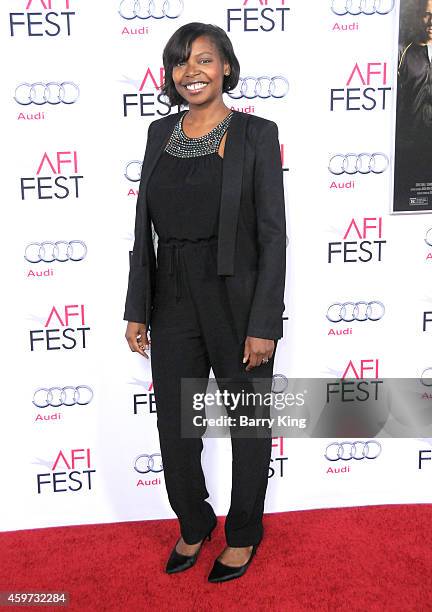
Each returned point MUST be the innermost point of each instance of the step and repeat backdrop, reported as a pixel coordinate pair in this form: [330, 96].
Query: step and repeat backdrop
[349, 84]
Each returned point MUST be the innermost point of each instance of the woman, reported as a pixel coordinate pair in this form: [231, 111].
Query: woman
[211, 184]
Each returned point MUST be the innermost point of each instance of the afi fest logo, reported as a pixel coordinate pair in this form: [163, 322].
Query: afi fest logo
[148, 102]
[428, 241]
[362, 250]
[425, 454]
[64, 329]
[427, 320]
[56, 177]
[366, 89]
[49, 18]
[71, 471]
[278, 458]
[258, 16]
[354, 385]
[144, 403]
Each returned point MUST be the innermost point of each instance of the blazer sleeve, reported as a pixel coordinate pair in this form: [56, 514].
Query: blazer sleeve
[138, 270]
[265, 318]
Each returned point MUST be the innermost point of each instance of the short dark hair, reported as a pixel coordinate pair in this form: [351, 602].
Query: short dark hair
[421, 5]
[178, 49]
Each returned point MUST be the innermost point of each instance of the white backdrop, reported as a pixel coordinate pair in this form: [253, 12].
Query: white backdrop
[76, 464]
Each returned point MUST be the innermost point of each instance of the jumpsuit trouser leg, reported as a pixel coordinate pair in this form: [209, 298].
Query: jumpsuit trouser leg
[192, 329]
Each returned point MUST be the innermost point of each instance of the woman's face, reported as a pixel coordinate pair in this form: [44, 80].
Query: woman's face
[199, 79]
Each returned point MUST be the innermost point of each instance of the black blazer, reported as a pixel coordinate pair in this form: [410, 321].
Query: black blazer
[251, 255]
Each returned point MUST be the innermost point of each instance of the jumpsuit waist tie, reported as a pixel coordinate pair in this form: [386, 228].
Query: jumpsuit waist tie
[175, 269]
[175, 245]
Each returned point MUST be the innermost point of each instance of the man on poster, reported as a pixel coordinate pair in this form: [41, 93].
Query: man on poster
[413, 151]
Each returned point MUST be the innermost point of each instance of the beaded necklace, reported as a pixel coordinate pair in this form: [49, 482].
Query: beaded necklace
[181, 145]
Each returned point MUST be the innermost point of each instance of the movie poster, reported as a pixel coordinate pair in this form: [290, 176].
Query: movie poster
[413, 136]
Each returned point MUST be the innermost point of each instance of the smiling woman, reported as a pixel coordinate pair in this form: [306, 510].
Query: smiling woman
[213, 62]
[211, 184]
[206, 62]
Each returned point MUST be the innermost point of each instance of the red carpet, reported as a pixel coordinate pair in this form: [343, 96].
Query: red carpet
[364, 559]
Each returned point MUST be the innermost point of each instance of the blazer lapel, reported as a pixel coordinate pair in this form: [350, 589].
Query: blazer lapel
[231, 193]
[157, 146]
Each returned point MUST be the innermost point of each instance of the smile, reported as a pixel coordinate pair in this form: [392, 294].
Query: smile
[196, 86]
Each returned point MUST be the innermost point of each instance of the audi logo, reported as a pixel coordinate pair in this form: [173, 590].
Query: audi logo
[62, 396]
[279, 383]
[357, 450]
[46, 93]
[362, 7]
[74, 250]
[133, 171]
[355, 311]
[130, 9]
[426, 376]
[428, 238]
[362, 163]
[148, 463]
[260, 87]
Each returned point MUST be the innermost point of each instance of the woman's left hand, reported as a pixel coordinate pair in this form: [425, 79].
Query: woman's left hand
[257, 351]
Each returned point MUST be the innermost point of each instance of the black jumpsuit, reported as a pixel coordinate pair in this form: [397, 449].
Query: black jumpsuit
[192, 329]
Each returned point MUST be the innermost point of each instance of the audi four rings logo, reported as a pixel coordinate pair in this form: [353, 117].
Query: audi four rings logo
[148, 463]
[355, 311]
[279, 383]
[131, 9]
[133, 171]
[353, 450]
[426, 377]
[362, 163]
[260, 87]
[74, 250]
[428, 238]
[46, 93]
[362, 7]
[62, 396]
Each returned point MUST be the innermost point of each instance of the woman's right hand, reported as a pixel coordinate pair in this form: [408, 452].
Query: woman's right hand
[136, 336]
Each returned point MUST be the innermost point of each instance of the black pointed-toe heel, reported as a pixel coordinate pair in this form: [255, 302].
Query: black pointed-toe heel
[179, 563]
[222, 573]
